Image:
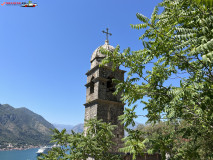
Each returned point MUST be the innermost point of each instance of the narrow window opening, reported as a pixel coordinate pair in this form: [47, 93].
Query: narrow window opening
[110, 85]
[91, 86]
[117, 135]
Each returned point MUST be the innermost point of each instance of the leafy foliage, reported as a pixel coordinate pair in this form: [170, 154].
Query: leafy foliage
[208, 3]
[175, 138]
[178, 47]
[95, 142]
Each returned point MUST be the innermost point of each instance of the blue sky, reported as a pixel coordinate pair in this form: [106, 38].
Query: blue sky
[45, 51]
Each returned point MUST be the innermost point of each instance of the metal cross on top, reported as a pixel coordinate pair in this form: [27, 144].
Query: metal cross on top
[107, 33]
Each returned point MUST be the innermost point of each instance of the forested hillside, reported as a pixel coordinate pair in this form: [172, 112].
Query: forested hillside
[21, 126]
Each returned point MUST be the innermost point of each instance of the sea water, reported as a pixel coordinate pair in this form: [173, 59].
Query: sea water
[29, 154]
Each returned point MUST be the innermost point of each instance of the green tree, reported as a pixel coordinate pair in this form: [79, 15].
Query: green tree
[208, 3]
[169, 138]
[95, 142]
[178, 46]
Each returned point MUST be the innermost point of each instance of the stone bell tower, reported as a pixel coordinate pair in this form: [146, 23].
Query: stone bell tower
[100, 102]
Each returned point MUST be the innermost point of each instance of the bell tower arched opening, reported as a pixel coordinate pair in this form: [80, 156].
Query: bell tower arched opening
[110, 84]
[92, 85]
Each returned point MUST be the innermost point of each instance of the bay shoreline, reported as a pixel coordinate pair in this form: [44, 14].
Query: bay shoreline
[19, 148]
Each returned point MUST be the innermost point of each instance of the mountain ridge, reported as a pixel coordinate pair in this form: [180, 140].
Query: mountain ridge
[76, 128]
[21, 126]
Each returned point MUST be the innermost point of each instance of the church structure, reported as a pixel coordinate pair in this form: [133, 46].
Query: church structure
[100, 101]
[102, 104]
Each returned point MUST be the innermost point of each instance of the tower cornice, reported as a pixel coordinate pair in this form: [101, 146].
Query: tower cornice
[105, 67]
[101, 101]
[96, 80]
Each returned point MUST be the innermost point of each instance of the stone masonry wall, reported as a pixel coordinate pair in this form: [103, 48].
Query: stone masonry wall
[103, 90]
[91, 112]
[102, 103]
[156, 156]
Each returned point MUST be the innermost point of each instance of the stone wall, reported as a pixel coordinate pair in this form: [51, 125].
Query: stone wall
[109, 113]
[104, 92]
[146, 156]
[91, 112]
